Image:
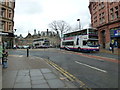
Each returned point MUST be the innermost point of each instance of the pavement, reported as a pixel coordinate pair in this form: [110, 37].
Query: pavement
[32, 72]
[0, 77]
[116, 51]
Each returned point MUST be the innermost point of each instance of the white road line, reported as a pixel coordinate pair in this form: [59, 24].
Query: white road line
[91, 67]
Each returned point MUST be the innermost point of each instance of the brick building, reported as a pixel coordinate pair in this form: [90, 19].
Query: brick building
[6, 22]
[105, 16]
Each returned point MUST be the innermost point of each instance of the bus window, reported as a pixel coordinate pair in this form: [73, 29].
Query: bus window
[93, 31]
[69, 43]
[84, 43]
[77, 42]
[92, 42]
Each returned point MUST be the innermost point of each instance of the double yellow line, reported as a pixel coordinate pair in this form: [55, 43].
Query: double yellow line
[69, 76]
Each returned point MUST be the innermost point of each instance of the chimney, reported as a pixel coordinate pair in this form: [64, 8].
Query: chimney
[35, 32]
[38, 32]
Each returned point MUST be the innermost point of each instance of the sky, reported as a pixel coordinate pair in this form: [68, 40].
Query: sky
[38, 14]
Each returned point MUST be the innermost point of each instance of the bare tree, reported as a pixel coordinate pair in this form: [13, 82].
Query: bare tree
[60, 26]
[54, 26]
[63, 26]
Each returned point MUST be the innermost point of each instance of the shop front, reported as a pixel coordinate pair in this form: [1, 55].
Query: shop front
[7, 40]
[115, 36]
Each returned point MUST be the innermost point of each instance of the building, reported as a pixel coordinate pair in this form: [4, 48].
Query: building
[105, 16]
[6, 22]
[28, 40]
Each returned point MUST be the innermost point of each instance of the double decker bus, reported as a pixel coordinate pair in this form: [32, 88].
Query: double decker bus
[41, 43]
[82, 40]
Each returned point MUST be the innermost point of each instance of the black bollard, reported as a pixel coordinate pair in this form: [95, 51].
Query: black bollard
[27, 52]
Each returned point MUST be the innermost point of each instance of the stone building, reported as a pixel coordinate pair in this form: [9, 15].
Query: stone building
[105, 16]
[6, 22]
[28, 40]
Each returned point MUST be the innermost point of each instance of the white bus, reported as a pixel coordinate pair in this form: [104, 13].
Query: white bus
[41, 43]
[82, 40]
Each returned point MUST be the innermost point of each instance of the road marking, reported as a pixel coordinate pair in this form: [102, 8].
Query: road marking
[68, 75]
[91, 67]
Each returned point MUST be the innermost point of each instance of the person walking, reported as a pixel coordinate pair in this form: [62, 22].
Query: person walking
[4, 59]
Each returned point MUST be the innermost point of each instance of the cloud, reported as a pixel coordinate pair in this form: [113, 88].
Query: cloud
[37, 14]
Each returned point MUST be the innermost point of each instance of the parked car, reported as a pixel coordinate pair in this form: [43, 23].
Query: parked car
[25, 46]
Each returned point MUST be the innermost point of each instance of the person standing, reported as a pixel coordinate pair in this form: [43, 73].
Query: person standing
[112, 46]
[4, 59]
[1, 53]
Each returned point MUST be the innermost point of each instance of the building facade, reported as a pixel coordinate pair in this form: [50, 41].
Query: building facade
[6, 22]
[105, 16]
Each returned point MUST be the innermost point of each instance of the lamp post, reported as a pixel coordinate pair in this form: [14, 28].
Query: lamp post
[79, 23]
[14, 37]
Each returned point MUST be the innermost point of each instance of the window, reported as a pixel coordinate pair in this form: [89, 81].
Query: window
[116, 12]
[10, 14]
[112, 13]
[2, 12]
[84, 43]
[3, 25]
[10, 4]
[68, 43]
[77, 42]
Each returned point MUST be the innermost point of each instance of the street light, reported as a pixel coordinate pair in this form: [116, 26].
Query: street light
[79, 23]
[14, 42]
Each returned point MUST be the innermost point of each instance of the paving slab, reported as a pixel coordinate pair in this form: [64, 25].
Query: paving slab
[22, 85]
[56, 83]
[45, 70]
[33, 78]
[23, 73]
[41, 86]
[50, 76]
[35, 72]
[42, 81]
[0, 77]
[9, 79]
[23, 79]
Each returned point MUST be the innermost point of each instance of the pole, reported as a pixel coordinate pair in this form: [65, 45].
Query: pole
[79, 23]
[27, 52]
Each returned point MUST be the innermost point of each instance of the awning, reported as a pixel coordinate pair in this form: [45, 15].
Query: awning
[8, 34]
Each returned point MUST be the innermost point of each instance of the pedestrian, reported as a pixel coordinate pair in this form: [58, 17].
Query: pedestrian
[112, 47]
[4, 59]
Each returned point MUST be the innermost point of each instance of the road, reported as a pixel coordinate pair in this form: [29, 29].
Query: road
[94, 72]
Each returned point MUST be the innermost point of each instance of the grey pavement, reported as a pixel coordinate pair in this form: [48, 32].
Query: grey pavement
[32, 72]
[0, 77]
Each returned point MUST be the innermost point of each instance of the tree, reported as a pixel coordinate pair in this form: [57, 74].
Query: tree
[54, 26]
[60, 27]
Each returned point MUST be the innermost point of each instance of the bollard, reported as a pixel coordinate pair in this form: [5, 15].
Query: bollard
[27, 52]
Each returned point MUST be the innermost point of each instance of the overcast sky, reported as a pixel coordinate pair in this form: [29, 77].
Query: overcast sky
[37, 14]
